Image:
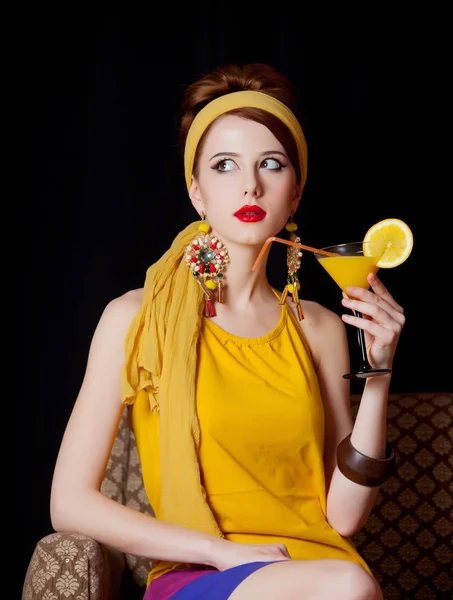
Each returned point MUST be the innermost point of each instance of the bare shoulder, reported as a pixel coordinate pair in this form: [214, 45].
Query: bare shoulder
[318, 315]
[118, 314]
[124, 307]
[321, 326]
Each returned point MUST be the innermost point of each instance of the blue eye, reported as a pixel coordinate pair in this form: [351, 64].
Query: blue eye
[271, 163]
[226, 164]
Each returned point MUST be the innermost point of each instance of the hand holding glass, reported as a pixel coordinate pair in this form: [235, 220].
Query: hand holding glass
[349, 266]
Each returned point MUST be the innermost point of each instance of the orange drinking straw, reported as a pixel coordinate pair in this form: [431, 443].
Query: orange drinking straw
[289, 243]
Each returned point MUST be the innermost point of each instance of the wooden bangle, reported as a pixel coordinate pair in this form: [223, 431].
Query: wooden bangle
[362, 469]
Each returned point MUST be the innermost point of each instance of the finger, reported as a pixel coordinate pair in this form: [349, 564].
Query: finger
[386, 336]
[367, 295]
[392, 308]
[377, 291]
[379, 288]
[379, 310]
[284, 549]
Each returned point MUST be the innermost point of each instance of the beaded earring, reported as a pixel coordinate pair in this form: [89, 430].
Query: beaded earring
[293, 260]
[207, 258]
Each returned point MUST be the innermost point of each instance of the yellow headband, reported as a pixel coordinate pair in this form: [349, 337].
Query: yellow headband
[223, 104]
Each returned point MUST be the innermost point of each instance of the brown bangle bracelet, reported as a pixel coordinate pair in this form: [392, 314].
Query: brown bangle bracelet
[363, 469]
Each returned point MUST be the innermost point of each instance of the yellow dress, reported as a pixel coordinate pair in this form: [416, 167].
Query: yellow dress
[262, 433]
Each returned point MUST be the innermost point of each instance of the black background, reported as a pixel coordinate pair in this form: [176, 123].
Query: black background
[104, 193]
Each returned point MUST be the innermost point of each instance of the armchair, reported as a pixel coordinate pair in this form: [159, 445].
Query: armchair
[407, 540]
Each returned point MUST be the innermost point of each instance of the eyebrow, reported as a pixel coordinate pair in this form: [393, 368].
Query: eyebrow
[266, 153]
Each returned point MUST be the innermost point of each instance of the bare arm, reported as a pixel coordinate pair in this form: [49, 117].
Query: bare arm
[349, 504]
[76, 501]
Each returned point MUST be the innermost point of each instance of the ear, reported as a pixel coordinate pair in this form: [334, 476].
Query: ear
[195, 196]
[295, 201]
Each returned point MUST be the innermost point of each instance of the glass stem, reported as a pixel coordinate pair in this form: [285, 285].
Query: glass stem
[364, 364]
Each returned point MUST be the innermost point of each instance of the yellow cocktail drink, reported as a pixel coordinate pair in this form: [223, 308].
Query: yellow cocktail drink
[349, 270]
[386, 245]
[349, 265]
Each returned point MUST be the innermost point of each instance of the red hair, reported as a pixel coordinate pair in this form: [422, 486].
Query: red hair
[234, 78]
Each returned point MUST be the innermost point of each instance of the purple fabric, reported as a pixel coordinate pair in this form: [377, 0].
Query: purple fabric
[166, 585]
[195, 584]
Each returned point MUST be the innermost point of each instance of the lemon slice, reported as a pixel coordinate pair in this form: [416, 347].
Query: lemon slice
[392, 240]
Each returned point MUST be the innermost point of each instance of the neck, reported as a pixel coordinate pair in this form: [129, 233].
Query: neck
[244, 286]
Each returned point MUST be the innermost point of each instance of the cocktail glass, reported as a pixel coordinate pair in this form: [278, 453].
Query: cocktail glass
[349, 265]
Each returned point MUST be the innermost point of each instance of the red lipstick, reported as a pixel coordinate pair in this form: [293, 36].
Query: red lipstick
[250, 214]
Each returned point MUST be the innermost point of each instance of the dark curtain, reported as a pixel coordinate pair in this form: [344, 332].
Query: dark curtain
[103, 185]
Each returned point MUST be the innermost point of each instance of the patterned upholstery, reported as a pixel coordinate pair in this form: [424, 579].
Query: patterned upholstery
[72, 566]
[407, 541]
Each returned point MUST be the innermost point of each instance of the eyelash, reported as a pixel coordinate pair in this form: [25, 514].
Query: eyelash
[216, 166]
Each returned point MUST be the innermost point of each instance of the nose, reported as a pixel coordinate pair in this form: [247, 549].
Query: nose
[252, 187]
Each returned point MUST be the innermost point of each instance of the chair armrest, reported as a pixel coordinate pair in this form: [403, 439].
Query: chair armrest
[74, 566]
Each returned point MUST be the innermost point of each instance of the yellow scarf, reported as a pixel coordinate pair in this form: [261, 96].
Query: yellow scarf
[161, 345]
[161, 358]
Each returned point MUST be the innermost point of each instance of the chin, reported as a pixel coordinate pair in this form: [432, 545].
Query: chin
[246, 234]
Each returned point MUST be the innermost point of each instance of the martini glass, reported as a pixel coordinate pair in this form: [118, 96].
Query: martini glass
[350, 264]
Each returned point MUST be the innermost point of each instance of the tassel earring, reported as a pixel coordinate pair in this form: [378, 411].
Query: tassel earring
[293, 260]
[207, 258]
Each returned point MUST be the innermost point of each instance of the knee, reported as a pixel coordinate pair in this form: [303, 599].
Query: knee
[358, 584]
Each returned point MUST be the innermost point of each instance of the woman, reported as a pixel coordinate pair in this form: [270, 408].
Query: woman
[235, 392]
